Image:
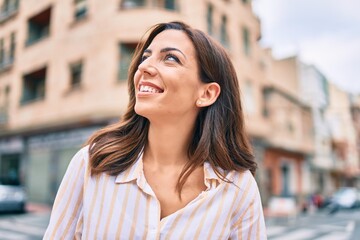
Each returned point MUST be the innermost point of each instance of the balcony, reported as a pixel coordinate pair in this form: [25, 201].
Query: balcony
[8, 10]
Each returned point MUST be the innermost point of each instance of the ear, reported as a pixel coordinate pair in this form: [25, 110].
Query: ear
[208, 95]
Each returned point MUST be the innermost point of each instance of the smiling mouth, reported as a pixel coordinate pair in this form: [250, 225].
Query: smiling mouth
[149, 89]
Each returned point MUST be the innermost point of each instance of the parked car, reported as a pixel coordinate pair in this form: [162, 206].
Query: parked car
[344, 198]
[12, 198]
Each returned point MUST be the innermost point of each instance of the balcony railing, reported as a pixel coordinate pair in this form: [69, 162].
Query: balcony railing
[9, 10]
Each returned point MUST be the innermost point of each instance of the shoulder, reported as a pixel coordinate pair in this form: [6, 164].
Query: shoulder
[84, 151]
[244, 181]
[246, 191]
[80, 158]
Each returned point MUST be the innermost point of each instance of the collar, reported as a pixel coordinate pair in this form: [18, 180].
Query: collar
[135, 172]
[209, 172]
[132, 173]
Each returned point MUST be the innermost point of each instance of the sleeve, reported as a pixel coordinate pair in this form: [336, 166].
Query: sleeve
[249, 221]
[67, 208]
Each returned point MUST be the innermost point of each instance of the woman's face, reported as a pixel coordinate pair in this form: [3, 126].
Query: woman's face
[167, 82]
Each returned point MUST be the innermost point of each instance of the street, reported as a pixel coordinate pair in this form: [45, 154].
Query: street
[344, 225]
[27, 226]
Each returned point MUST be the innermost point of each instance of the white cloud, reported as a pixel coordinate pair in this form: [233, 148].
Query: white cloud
[323, 32]
[338, 57]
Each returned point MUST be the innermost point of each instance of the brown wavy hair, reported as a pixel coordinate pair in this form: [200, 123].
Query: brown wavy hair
[219, 133]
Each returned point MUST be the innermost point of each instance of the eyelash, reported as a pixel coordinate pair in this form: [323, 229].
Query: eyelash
[167, 56]
[143, 58]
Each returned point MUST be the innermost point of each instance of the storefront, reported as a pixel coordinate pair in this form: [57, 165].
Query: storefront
[286, 173]
[11, 167]
[39, 161]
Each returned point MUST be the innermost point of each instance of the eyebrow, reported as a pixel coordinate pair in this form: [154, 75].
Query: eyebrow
[167, 49]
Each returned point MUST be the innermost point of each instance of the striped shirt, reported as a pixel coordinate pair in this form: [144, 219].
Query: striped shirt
[125, 207]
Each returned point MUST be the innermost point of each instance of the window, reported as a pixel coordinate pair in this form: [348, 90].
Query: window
[10, 169]
[8, 9]
[126, 4]
[224, 39]
[10, 5]
[33, 86]
[4, 105]
[39, 26]
[266, 99]
[7, 55]
[210, 19]
[7, 95]
[170, 4]
[249, 99]
[290, 126]
[76, 74]
[126, 52]
[12, 47]
[285, 179]
[2, 52]
[80, 9]
[246, 41]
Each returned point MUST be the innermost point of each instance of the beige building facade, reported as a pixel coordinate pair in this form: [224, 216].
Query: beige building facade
[65, 74]
[355, 113]
[290, 143]
[344, 138]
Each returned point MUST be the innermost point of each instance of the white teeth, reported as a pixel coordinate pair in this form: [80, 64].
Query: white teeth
[148, 89]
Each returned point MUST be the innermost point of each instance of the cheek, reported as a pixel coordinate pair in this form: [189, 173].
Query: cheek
[136, 77]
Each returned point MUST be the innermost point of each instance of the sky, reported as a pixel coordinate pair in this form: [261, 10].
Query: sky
[325, 33]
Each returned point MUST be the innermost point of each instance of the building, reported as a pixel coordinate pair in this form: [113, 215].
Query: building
[314, 91]
[63, 74]
[290, 145]
[355, 112]
[344, 139]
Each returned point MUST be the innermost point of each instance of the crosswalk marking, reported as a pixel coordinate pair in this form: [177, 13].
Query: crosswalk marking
[350, 227]
[299, 234]
[15, 226]
[271, 231]
[7, 235]
[340, 230]
[328, 227]
[334, 236]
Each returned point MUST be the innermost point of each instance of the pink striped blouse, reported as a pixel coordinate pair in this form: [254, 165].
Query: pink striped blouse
[125, 207]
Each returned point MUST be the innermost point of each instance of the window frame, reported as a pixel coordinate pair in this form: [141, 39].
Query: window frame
[125, 60]
[80, 9]
[76, 70]
[36, 29]
[38, 88]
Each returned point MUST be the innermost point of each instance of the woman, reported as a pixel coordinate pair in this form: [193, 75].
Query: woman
[178, 165]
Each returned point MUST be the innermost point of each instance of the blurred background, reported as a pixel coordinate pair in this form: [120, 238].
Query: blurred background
[63, 75]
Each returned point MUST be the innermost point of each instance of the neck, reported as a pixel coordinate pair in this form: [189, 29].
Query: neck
[168, 145]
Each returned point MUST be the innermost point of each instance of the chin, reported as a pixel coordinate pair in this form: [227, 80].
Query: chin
[142, 111]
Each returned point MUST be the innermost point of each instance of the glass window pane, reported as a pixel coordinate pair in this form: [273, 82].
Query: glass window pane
[132, 3]
[170, 4]
[126, 53]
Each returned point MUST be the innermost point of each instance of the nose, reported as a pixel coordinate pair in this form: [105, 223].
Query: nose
[147, 67]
